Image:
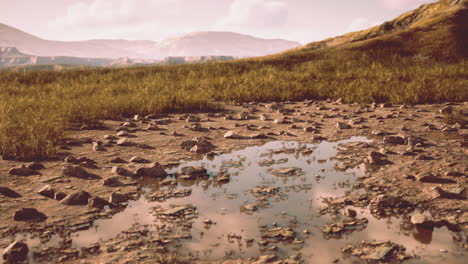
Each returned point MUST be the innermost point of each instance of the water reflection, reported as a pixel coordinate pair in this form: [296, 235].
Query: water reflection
[296, 205]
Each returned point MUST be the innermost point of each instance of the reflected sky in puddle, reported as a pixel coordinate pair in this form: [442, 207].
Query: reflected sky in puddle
[297, 208]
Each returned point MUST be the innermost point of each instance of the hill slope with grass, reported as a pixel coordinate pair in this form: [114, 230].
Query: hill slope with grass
[422, 61]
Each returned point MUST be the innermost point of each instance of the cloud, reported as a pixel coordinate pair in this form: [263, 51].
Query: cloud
[360, 23]
[108, 18]
[255, 15]
[398, 4]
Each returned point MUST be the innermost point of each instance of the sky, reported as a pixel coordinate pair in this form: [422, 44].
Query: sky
[299, 20]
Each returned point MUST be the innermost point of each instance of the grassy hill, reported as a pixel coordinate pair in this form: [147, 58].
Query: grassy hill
[420, 57]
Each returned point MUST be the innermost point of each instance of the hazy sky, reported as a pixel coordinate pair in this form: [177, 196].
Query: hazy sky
[300, 20]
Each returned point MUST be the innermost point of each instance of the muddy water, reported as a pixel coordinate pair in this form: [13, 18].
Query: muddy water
[296, 206]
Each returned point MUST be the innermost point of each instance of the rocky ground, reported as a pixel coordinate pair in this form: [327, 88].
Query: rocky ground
[415, 163]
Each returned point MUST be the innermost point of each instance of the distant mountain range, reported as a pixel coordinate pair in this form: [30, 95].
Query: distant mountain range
[207, 46]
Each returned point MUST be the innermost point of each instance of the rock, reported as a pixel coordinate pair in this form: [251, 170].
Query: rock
[97, 202]
[35, 166]
[59, 196]
[137, 159]
[155, 171]
[446, 110]
[47, 191]
[258, 136]
[386, 105]
[15, 252]
[376, 158]
[178, 210]
[71, 159]
[378, 252]
[74, 171]
[124, 142]
[418, 219]
[22, 170]
[429, 177]
[112, 182]
[118, 160]
[282, 233]
[98, 146]
[286, 171]
[193, 171]
[9, 192]
[341, 125]
[250, 207]
[122, 133]
[76, 198]
[350, 212]
[394, 140]
[122, 172]
[117, 198]
[199, 146]
[337, 229]
[231, 135]
[243, 115]
[459, 193]
[29, 214]
[422, 157]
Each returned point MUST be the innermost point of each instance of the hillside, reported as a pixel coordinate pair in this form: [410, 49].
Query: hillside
[438, 30]
[194, 44]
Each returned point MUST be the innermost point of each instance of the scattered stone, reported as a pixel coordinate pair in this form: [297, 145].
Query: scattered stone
[291, 171]
[337, 229]
[376, 158]
[250, 207]
[122, 171]
[394, 140]
[113, 182]
[98, 146]
[446, 110]
[231, 135]
[16, 252]
[341, 125]
[430, 178]
[117, 198]
[283, 233]
[76, 198]
[154, 171]
[350, 212]
[29, 215]
[9, 192]
[22, 170]
[118, 160]
[124, 142]
[74, 171]
[59, 196]
[137, 159]
[387, 252]
[97, 202]
[35, 166]
[47, 191]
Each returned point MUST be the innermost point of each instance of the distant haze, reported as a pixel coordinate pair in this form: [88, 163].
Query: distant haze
[298, 20]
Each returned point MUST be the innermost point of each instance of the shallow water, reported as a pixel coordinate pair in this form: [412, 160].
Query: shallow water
[297, 208]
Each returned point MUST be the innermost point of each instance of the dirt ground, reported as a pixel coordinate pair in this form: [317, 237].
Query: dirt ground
[415, 161]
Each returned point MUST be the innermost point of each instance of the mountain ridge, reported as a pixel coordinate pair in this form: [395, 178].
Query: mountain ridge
[215, 43]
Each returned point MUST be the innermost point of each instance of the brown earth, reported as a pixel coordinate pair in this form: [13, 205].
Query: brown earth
[427, 173]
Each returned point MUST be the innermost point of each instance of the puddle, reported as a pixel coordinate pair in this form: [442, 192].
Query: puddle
[310, 175]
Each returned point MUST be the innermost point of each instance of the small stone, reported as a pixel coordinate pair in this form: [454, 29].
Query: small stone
[137, 159]
[155, 171]
[97, 202]
[47, 191]
[418, 219]
[15, 252]
[231, 135]
[59, 196]
[350, 212]
[118, 160]
[22, 171]
[35, 166]
[117, 198]
[112, 182]
[76, 198]
[9, 192]
[74, 171]
[29, 214]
